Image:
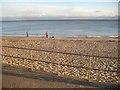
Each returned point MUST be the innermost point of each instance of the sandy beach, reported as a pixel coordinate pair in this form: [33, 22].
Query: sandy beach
[89, 58]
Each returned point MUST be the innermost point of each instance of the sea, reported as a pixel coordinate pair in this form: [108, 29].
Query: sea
[60, 28]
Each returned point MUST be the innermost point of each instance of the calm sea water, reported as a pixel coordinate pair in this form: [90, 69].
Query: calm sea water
[60, 28]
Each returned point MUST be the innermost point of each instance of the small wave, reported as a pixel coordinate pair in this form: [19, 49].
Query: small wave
[94, 36]
[114, 36]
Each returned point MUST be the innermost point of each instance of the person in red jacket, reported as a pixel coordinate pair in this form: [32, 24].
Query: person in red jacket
[46, 33]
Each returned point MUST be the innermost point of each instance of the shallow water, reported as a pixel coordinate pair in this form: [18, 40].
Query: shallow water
[60, 27]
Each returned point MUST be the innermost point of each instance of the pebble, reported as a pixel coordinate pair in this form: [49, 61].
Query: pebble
[84, 47]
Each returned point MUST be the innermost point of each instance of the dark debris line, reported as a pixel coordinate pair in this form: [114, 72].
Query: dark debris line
[62, 52]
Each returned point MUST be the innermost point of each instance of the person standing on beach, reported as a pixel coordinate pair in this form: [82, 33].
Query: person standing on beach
[26, 34]
[46, 33]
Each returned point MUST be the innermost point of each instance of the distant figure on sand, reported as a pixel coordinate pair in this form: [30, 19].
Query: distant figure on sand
[46, 33]
[26, 34]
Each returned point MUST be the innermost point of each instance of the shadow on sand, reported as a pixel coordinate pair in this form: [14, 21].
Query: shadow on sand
[22, 72]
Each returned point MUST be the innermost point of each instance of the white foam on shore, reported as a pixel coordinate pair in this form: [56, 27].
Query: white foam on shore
[113, 36]
[94, 36]
[97, 36]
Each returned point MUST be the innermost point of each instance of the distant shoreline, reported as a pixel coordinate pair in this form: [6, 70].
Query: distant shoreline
[59, 20]
[60, 38]
[65, 36]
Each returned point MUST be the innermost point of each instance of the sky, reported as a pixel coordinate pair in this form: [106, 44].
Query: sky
[59, 0]
[59, 8]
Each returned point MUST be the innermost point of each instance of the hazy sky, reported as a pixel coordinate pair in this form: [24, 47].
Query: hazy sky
[59, 0]
[59, 8]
